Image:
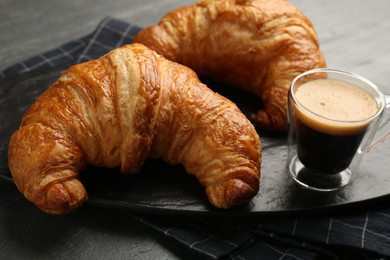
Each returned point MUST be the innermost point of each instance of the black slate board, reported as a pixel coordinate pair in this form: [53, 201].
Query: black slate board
[165, 189]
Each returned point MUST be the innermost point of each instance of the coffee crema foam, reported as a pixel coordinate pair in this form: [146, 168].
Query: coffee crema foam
[338, 107]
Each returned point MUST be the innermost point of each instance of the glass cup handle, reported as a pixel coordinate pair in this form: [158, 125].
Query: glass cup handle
[382, 124]
[387, 99]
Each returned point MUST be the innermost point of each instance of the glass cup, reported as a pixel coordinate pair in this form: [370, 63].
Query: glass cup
[325, 142]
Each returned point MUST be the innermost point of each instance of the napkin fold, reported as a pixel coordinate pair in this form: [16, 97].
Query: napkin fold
[362, 233]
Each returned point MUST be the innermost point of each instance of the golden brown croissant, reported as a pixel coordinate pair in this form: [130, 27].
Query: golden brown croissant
[122, 108]
[256, 45]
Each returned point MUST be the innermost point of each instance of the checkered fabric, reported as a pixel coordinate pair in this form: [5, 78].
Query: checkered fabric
[109, 35]
[361, 233]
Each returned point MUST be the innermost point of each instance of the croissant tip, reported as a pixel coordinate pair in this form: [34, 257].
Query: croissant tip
[263, 121]
[64, 197]
[238, 192]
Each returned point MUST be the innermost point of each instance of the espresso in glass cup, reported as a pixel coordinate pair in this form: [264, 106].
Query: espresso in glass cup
[333, 116]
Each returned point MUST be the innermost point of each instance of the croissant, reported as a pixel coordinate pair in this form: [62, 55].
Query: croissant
[119, 110]
[255, 45]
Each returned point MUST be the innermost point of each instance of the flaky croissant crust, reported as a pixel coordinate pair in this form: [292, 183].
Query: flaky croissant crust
[256, 45]
[127, 106]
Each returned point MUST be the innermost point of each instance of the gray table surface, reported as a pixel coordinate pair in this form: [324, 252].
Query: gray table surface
[354, 36]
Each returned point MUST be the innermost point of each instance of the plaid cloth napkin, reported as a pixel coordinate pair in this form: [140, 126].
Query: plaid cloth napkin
[359, 234]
